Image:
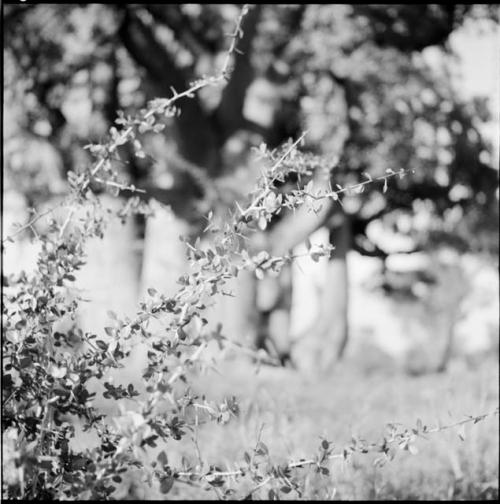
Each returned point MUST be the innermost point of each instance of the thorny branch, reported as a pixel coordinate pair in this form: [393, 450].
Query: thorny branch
[362, 448]
[161, 106]
[262, 196]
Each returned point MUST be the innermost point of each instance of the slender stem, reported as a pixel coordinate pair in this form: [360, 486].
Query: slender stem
[32, 221]
[355, 186]
[235, 36]
[261, 196]
[289, 151]
[66, 222]
[164, 105]
[260, 485]
[476, 418]
[123, 187]
[180, 369]
[302, 463]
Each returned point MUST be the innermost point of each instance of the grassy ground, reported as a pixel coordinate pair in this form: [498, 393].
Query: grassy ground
[294, 409]
[357, 398]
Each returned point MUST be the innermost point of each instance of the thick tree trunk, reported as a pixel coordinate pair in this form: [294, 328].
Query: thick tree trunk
[195, 135]
[110, 277]
[335, 298]
[164, 258]
[331, 329]
[274, 301]
[237, 314]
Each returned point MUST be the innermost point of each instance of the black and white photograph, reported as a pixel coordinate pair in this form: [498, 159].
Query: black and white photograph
[250, 252]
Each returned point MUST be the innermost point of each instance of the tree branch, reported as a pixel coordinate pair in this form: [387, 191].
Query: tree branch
[171, 16]
[368, 252]
[293, 26]
[195, 132]
[229, 113]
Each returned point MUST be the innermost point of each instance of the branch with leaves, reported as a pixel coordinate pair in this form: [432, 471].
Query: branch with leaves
[128, 130]
[261, 470]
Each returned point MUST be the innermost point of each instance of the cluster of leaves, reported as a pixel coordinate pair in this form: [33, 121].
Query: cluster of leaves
[46, 378]
[47, 370]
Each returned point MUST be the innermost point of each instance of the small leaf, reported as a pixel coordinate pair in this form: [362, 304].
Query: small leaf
[166, 484]
[162, 458]
[261, 446]
[24, 362]
[315, 256]
[262, 223]
[152, 292]
[259, 273]
[101, 344]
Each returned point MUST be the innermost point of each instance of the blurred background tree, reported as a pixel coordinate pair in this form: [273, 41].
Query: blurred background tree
[354, 76]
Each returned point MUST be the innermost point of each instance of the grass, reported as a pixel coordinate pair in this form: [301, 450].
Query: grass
[292, 410]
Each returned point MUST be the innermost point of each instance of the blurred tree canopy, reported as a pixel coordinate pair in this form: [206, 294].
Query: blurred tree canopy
[352, 75]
